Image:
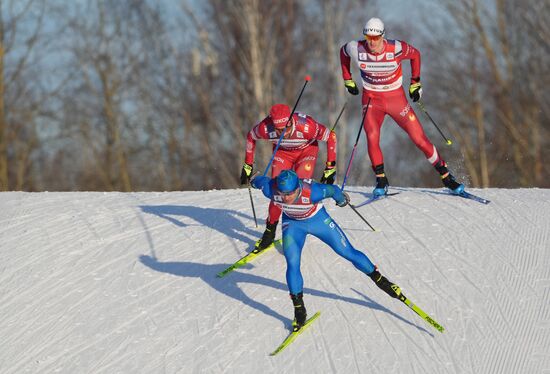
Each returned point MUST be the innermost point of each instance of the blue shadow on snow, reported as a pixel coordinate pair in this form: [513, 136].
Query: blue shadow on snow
[229, 286]
[225, 221]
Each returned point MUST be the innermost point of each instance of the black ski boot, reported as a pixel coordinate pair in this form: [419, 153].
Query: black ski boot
[381, 181]
[450, 182]
[300, 313]
[267, 238]
[385, 285]
[448, 179]
[381, 186]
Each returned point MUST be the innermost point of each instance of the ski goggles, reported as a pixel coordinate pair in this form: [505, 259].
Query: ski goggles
[373, 38]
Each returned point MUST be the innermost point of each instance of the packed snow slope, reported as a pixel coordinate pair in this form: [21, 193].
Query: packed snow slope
[126, 283]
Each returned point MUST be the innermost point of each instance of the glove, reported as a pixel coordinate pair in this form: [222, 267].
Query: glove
[415, 91]
[351, 86]
[329, 174]
[345, 201]
[246, 172]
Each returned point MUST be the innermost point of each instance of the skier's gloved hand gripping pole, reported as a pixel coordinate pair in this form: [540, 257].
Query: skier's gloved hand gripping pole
[307, 79]
[421, 105]
[329, 175]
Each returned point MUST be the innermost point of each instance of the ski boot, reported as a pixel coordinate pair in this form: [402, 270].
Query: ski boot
[381, 181]
[447, 178]
[267, 238]
[385, 285]
[300, 313]
[381, 186]
[450, 182]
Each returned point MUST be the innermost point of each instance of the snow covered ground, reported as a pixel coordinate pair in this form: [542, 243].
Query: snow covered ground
[125, 283]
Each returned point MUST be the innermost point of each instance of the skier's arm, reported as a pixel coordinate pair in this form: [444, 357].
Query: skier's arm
[408, 52]
[345, 60]
[257, 132]
[323, 191]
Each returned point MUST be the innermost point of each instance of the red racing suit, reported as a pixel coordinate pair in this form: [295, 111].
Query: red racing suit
[298, 149]
[383, 93]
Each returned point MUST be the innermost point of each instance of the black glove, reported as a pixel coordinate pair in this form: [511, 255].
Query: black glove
[246, 172]
[351, 86]
[329, 174]
[345, 201]
[415, 91]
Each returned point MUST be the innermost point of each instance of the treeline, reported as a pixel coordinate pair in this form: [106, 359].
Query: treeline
[146, 95]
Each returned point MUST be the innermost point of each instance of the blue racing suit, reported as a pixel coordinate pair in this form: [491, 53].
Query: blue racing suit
[306, 215]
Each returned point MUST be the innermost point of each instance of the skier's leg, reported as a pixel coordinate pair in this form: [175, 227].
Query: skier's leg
[293, 241]
[402, 112]
[372, 125]
[328, 231]
[294, 236]
[337, 240]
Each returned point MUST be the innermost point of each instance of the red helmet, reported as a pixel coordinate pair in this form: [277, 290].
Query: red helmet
[280, 114]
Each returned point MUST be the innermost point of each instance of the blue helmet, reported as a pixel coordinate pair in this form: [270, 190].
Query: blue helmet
[288, 181]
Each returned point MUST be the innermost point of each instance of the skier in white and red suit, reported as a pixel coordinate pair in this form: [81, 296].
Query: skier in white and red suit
[379, 61]
[297, 151]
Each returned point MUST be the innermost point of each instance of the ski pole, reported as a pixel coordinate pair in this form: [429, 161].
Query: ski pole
[360, 216]
[252, 203]
[337, 119]
[421, 105]
[307, 79]
[355, 146]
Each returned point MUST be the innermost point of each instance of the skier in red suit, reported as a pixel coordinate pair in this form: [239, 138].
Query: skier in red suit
[297, 151]
[379, 61]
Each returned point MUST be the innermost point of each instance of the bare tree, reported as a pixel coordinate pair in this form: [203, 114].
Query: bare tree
[106, 57]
[495, 92]
[21, 24]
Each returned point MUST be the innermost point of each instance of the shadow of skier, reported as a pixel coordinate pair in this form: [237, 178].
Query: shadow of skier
[229, 286]
[226, 221]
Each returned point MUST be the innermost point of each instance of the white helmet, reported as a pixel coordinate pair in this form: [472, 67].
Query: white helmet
[374, 26]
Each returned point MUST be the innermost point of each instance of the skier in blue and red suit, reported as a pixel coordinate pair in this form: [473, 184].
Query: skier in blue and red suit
[303, 214]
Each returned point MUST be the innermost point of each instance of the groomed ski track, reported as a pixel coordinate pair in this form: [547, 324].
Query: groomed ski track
[126, 283]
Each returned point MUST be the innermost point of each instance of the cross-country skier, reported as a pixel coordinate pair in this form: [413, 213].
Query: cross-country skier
[298, 150]
[303, 214]
[379, 61]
